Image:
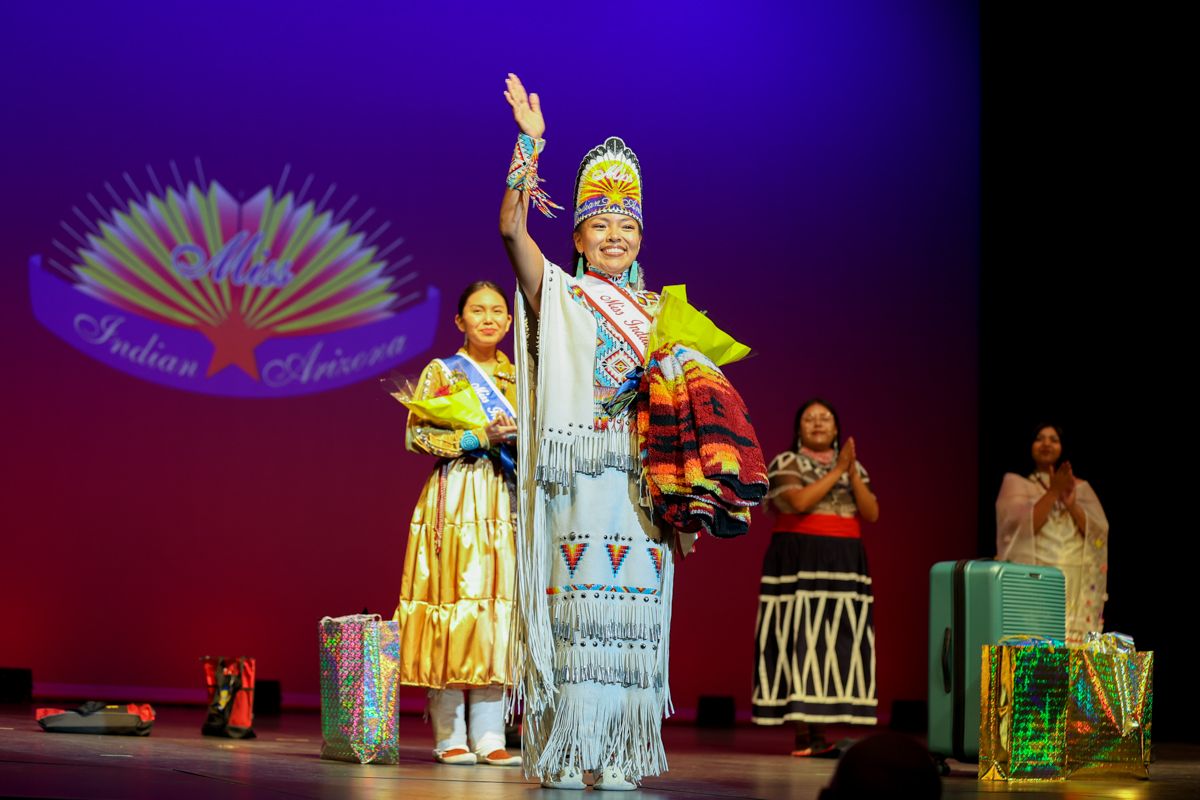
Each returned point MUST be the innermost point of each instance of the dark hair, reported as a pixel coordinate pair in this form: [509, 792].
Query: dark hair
[1058, 430]
[1037, 431]
[575, 256]
[886, 764]
[475, 287]
[815, 401]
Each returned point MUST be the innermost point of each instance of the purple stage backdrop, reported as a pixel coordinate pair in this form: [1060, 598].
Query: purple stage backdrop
[811, 175]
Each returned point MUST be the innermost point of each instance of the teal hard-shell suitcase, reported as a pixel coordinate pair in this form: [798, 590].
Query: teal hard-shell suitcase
[972, 604]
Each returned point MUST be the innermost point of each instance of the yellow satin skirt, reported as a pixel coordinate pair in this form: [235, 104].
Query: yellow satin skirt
[456, 598]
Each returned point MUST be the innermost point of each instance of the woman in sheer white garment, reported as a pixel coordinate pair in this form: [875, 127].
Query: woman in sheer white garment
[1052, 518]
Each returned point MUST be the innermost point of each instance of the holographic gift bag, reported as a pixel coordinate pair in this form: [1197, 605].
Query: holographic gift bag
[1024, 695]
[1109, 712]
[360, 662]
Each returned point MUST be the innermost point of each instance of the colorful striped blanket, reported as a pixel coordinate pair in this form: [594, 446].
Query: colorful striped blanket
[701, 461]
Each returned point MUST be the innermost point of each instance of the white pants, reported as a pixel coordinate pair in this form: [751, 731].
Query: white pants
[450, 725]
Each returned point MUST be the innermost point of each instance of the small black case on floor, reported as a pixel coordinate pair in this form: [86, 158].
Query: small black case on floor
[96, 717]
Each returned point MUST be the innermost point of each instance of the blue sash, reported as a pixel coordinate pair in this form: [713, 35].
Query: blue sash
[492, 400]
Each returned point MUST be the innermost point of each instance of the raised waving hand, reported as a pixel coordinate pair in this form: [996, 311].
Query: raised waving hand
[527, 108]
[524, 254]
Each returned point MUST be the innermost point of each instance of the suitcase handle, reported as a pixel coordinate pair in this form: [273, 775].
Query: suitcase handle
[946, 684]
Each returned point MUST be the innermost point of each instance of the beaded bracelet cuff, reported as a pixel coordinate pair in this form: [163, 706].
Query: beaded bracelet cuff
[522, 173]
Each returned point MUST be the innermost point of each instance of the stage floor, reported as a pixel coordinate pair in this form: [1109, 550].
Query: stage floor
[177, 763]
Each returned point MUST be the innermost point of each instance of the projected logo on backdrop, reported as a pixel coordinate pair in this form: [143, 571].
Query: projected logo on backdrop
[270, 297]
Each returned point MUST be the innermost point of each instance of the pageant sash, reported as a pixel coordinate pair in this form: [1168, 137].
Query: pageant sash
[491, 398]
[622, 312]
[819, 525]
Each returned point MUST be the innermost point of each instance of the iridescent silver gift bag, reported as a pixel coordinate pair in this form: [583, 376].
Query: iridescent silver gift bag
[360, 663]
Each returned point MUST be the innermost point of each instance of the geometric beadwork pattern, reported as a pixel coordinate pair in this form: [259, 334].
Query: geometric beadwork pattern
[656, 558]
[647, 591]
[615, 357]
[616, 556]
[615, 365]
[571, 554]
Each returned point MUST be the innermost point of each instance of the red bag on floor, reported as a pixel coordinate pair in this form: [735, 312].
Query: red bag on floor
[96, 717]
[230, 683]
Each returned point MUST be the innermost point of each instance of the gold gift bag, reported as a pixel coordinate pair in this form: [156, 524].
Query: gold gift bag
[1109, 713]
[1024, 695]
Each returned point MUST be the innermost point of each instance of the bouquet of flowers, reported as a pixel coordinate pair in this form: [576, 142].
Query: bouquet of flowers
[454, 405]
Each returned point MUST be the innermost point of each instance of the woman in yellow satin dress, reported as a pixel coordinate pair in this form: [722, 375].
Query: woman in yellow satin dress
[456, 596]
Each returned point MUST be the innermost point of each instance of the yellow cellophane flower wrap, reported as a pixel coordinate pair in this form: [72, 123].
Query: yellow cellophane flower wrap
[678, 322]
[459, 409]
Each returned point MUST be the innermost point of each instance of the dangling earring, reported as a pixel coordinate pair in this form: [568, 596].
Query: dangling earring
[579, 267]
[633, 275]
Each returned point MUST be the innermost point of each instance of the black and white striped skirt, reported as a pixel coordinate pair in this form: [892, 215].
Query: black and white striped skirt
[815, 635]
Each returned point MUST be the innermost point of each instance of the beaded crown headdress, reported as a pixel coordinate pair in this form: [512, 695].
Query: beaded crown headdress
[609, 181]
